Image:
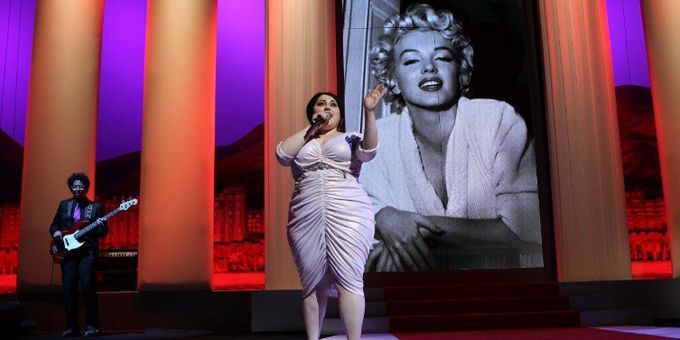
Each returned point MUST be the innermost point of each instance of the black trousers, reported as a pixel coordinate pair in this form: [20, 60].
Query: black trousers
[80, 268]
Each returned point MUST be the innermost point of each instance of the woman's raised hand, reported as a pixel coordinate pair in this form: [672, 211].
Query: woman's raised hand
[373, 97]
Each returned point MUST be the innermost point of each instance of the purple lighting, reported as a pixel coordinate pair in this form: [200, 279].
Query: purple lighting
[16, 44]
[626, 33]
[240, 68]
[240, 71]
[240, 74]
[121, 82]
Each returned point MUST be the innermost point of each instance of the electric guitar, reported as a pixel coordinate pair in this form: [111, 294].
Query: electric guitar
[70, 237]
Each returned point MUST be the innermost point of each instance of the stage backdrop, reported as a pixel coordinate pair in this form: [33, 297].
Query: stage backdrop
[238, 232]
[481, 168]
[586, 180]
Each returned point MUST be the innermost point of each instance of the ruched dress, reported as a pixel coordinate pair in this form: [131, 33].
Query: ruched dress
[331, 220]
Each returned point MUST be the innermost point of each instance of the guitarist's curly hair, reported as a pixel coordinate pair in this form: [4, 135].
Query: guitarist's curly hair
[78, 176]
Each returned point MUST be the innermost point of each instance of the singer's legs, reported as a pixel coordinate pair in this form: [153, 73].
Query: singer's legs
[314, 309]
[322, 298]
[310, 312]
[352, 308]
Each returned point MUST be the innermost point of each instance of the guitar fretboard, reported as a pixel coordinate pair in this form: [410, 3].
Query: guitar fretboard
[84, 231]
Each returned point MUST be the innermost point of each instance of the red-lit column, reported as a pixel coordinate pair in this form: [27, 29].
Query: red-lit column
[60, 126]
[300, 60]
[588, 198]
[662, 29]
[178, 146]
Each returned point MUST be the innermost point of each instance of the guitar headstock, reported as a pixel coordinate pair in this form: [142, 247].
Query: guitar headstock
[127, 204]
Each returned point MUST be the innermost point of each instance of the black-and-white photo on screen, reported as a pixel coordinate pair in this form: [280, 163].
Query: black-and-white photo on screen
[454, 183]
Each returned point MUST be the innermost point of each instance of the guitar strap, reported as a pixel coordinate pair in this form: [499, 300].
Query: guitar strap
[88, 215]
[88, 211]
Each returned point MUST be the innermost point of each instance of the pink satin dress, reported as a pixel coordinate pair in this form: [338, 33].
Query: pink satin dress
[331, 220]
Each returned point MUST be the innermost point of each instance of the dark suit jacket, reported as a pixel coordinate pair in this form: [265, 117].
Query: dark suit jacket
[63, 219]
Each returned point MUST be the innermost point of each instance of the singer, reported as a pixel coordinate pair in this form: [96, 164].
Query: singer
[331, 221]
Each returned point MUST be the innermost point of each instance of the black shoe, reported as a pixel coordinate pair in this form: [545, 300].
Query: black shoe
[91, 331]
[70, 332]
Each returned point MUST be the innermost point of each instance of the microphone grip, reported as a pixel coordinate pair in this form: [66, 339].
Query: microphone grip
[318, 120]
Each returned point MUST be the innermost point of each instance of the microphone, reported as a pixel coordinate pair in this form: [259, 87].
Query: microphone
[318, 120]
[316, 123]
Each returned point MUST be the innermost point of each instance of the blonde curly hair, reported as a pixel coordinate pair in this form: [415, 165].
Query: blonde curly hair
[425, 18]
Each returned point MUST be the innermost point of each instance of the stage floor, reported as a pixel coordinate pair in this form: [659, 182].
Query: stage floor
[621, 332]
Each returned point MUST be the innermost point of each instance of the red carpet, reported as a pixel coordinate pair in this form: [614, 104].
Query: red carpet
[415, 323]
[474, 290]
[473, 301]
[478, 305]
[547, 333]
[471, 306]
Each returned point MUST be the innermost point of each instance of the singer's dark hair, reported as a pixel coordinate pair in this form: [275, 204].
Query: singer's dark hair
[78, 176]
[341, 107]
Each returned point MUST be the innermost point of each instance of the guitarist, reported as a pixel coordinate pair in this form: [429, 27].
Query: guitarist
[79, 264]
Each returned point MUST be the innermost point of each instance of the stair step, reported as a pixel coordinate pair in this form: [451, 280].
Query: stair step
[469, 291]
[467, 276]
[374, 294]
[594, 302]
[484, 321]
[484, 305]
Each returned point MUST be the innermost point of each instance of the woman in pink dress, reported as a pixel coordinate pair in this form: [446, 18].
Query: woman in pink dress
[331, 220]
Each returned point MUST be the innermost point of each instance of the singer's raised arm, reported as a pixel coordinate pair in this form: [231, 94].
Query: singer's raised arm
[371, 101]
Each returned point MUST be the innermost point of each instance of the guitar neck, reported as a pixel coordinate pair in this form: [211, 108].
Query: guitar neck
[84, 231]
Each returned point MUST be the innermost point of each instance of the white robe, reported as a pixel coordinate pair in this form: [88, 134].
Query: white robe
[490, 169]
